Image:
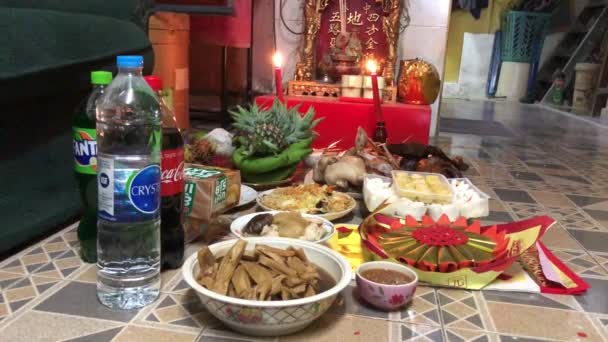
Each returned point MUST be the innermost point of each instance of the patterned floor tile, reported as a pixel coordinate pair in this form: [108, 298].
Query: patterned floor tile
[25, 290]
[526, 210]
[552, 199]
[222, 334]
[508, 195]
[4, 310]
[44, 326]
[557, 237]
[587, 202]
[498, 216]
[459, 310]
[102, 336]
[27, 262]
[423, 309]
[533, 299]
[180, 286]
[332, 328]
[601, 258]
[465, 335]
[566, 180]
[7, 279]
[595, 299]
[502, 184]
[599, 216]
[416, 333]
[134, 333]
[580, 262]
[591, 240]
[62, 266]
[602, 322]
[541, 322]
[573, 218]
[350, 303]
[494, 172]
[528, 176]
[80, 299]
[186, 312]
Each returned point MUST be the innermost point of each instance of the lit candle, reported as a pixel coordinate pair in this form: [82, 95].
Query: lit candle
[371, 67]
[277, 60]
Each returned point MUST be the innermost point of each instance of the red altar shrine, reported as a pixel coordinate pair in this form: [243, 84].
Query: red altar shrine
[403, 122]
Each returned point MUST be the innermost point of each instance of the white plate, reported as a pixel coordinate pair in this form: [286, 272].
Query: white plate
[237, 225]
[248, 195]
[327, 216]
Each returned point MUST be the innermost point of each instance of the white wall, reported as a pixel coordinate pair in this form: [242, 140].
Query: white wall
[425, 38]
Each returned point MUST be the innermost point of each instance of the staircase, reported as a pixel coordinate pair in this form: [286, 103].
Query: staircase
[576, 47]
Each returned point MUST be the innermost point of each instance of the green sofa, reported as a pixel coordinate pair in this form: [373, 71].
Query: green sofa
[47, 51]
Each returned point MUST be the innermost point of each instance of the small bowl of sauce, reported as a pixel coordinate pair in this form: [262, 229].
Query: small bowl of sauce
[386, 285]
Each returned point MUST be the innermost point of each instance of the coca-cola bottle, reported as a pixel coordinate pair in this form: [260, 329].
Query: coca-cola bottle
[172, 185]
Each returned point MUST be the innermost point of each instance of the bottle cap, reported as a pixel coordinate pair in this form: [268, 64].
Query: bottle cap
[101, 77]
[129, 61]
[155, 82]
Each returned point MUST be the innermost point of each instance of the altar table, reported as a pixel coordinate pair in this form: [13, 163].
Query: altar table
[341, 119]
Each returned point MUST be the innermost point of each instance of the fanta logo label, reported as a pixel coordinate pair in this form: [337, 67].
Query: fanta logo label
[85, 149]
[144, 189]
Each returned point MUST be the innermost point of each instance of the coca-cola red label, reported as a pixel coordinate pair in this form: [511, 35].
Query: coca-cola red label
[172, 176]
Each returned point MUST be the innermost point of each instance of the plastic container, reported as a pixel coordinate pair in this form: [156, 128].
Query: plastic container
[479, 207]
[521, 30]
[584, 84]
[422, 187]
[373, 196]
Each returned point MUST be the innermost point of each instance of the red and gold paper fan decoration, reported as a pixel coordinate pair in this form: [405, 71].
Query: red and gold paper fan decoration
[441, 246]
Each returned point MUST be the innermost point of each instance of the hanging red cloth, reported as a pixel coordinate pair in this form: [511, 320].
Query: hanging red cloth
[233, 31]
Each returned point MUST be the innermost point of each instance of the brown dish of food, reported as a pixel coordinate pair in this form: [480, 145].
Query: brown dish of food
[285, 224]
[267, 273]
[386, 276]
[308, 199]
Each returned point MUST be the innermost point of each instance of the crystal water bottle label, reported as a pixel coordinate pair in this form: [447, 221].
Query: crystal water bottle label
[144, 189]
[85, 150]
[105, 177]
[128, 194]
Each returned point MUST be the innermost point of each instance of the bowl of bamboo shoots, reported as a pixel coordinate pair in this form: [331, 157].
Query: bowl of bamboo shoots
[264, 286]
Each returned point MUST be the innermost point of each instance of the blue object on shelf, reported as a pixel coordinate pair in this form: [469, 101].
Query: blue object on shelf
[495, 63]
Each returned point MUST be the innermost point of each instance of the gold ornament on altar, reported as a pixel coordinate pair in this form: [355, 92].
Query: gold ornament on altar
[418, 82]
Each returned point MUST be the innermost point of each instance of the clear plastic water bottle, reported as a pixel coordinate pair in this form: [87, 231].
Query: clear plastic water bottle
[128, 151]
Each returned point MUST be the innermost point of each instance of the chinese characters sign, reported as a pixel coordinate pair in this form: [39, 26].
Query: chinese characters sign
[362, 17]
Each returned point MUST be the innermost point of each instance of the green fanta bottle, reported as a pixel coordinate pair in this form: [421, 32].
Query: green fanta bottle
[85, 164]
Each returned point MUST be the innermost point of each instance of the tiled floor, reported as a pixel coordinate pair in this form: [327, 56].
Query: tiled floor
[539, 163]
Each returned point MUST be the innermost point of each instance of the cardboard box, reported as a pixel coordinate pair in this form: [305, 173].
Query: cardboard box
[208, 191]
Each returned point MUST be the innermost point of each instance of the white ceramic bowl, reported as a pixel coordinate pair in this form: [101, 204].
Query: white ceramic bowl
[328, 216]
[237, 225]
[272, 318]
[383, 296]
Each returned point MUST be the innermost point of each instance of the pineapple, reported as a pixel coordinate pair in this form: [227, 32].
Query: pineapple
[268, 132]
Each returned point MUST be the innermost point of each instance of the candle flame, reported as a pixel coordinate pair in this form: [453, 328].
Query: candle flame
[277, 59]
[371, 65]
